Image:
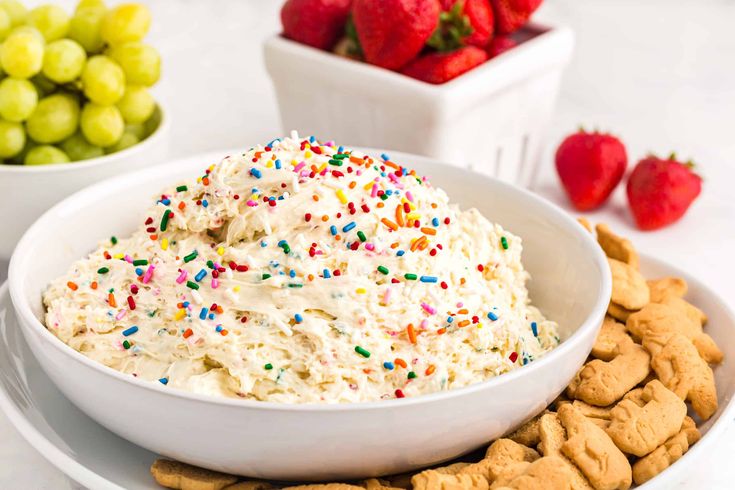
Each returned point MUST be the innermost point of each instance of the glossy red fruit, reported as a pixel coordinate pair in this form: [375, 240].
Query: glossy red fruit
[500, 44]
[590, 166]
[317, 23]
[511, 15]
[660, 191]
[441, 67]
[463, 23]
[393, 32]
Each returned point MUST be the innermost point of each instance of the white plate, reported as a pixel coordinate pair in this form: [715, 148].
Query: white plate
[96, 458]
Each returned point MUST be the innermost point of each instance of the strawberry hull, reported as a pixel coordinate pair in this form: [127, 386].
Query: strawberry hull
[492, 118]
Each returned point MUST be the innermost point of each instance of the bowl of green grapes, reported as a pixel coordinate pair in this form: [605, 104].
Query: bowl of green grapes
[76, 104]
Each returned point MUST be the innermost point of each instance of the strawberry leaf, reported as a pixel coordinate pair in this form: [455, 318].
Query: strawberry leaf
[454, 27]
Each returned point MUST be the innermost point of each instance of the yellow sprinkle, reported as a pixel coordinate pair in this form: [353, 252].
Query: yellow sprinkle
[269, 164]
[180, 314]
[221, 251]
[294, 162]
[368, 186]
[479, 325]
[413, 216]
[118, 256]
[199, 180]
[236, 289]
[324, 165]
[308, 154]
[341, 196]
[360, 291]
[164, 244]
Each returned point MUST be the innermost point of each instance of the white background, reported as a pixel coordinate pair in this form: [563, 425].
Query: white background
[658, 73]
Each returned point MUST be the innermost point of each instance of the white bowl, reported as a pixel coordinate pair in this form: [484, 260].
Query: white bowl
[571, 284]
[492, 119]
[26, 192]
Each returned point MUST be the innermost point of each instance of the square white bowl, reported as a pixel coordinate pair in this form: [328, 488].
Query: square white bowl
[492, 119]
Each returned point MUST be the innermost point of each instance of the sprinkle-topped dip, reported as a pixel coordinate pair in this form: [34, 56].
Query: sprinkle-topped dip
[303, 272]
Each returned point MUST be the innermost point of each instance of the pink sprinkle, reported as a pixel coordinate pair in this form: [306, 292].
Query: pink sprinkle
[182, 277]
[409, 196]
[460, 304]
[386, 296]
[120, 314]
[251, 203]
[324, 172]
[429, 309]
[215, 283]
[148, 274]
[298, 167]
[370, 246]
[374, 192]
[359, 172]
[128, 258]
[424, 323]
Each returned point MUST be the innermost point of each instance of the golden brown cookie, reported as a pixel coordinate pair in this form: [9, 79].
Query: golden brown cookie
[629, 288]
[250, 485]
[612, 336]
[585, 224]
[500, 455]
[603, 383]
[376, 484]
[594, 452]
[182, 476]
[658, 322]
[681, 369]
[666, 286]
[618, 312]
[638, 430]
[547, 473]
[616, 247]
[553, 436]
[326, 486]
[434, 480]
[691, 311]
[527, 434]
[667, 454]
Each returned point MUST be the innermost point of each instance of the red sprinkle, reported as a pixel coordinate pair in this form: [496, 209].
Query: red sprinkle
[307, 217]
[188, 333]
[399, 394]
[513, 356]
[134, 288]
[131, 302]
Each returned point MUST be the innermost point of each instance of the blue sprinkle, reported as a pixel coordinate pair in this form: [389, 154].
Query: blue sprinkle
[130, 331]
[163, 381]
[292, 273]
[203, 313]
[388, 365]
[400, 253]
[200, 275]
[280, 198]
[340, 149]
[525, 360]
[492, 316]
[205, 203]
[298, 318]
[186, 304]
[388, 192]
[138, 271]
[428, 279]
[211, 316]
[349, 226]
[166, 201]
[326, 274]
[385, 156]
[282, 243]
[263, 244]
[255, 173]
[435, 222]
[312, 139]
[254, 190]
[333, 230]
[450, 319]
[383, 174]
[278, 164]
[534, 329]
[218, 328]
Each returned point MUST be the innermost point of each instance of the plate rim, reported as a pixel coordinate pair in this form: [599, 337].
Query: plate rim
[85, 476]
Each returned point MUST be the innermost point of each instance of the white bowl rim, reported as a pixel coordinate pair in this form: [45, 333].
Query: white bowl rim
[156, 135]
[22, 307]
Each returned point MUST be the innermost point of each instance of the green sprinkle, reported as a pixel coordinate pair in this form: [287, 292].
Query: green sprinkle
[411, 375]
[286, 248]
[113, 240]
[362, 352]
[337, 163]
[384, 196]
[268, 366]
[340, 156]
[383, 269]
[210, 264]
[164, 219]
[504, 242]
[411, 277]
[191, 256]
[126, 344]
[295, 285]
[140, 262]
[103, 270]
[192, 285]
[181, 188]
[361, 236]
[265, 276]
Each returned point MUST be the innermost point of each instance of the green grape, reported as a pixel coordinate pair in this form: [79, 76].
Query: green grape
[85, 28]
[126, 141]
[15, 9]
[43, 85]
[83, 4]
[78, 148]
[136, 129]
[12, 138]
[103, 80]
[22, 53]
[102, 125]
[136, 105]
[56, 118]
[5, 24]
[140, 62]
[153, 123]
[18, 158]
[18, 99]
[63, 60]
[45, 155]
[51, 20]
[125, 23]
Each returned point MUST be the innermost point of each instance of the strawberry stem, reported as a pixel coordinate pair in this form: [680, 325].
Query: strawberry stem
[453, 28]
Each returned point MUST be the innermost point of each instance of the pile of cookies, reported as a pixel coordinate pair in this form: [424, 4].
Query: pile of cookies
[622, 420]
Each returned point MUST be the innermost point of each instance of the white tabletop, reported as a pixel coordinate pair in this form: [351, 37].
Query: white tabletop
[658, 73]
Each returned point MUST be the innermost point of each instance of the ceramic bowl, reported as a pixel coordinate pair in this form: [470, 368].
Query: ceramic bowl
[570, 284]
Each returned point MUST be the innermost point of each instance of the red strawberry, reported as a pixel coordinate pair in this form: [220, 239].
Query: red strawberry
[393, 32]
[442, 67]
[500, 44]
[318, 23]
[590, 165]
[510, 15]
[660, 191]
[463, 23]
